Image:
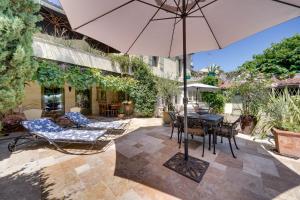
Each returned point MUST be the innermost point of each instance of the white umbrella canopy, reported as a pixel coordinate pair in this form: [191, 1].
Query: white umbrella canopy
[201, 87]
[176, 27]
[154, 27]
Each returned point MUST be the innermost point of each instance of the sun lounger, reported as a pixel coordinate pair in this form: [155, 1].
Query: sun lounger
[81, 121]
[46, 129]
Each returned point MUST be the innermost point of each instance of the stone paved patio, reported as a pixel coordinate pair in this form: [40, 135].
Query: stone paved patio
[132, 169]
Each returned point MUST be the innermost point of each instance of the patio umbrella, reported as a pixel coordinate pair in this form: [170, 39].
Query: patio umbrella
[201, 87]
[175, 27]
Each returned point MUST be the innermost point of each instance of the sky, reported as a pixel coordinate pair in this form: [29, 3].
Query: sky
[237, 53]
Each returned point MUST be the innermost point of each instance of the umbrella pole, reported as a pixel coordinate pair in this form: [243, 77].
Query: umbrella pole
[184, 164]
[185, 99]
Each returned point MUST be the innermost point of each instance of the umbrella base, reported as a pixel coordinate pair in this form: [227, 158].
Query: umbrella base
[193, 168]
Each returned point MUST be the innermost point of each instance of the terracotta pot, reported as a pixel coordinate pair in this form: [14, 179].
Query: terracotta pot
[121, 115]
[128, 109]
[287, 142]
[166, 117]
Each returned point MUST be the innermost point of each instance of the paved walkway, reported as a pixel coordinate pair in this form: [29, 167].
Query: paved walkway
[131, 168]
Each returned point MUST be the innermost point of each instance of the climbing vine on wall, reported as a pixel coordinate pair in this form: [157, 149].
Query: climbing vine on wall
[50, 75]
[81, 78]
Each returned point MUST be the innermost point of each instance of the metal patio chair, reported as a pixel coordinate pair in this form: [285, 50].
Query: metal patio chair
[174, 124]
[229, 131]
[196, 127]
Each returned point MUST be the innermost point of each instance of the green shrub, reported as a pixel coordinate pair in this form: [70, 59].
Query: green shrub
[167, 89]
[216, 100]
[145, 93]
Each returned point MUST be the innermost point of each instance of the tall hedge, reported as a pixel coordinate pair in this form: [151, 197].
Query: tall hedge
[17, 25]
[144, 94]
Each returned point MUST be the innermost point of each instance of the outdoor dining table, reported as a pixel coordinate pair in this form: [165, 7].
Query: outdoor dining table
[213, 120]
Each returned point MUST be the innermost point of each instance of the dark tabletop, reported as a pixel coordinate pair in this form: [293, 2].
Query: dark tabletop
[211, 118]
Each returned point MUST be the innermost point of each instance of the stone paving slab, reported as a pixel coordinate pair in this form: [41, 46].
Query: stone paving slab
[132, 168]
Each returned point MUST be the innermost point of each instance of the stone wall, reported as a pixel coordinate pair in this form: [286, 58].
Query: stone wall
[33, 96]
[70, 100]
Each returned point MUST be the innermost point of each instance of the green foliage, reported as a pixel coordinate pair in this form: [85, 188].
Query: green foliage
[115, 83]
[281, 59]
[166, 89]
[282, 112]
[123, 60]
[216, 100]
[213, 70]
[210, 80]
[145, 93]
[81, 78]
[253, 92]
[17, 24]
[50, 75]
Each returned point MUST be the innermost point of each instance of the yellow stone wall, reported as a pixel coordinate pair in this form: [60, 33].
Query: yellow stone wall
[69, 98]
[33, 96]
[95, 105]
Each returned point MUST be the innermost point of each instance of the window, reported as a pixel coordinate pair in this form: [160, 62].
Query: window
[179, 68]
[192, 95]
[153, 61]
[101, 95]
[53, 100]
[161, 63]
[83, 100]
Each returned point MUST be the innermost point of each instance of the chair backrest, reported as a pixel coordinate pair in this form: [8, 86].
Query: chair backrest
[32, 114]
[41, 125]
[77, 118]
[172, 116]
[75, 109]
[228, 108]
[194, 123]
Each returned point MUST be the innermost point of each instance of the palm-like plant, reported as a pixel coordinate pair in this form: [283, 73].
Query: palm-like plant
[282, 112]
[213, 70]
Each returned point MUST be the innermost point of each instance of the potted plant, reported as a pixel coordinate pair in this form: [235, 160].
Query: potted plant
[167, 89]
[128, 107]
[252, 92]
[121, 112]
[281, 116]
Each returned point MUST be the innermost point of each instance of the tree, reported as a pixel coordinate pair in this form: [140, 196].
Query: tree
[18, 20]
[253, 91]
[281, 60]
[167, 89]
[216, 100]
[144, 94]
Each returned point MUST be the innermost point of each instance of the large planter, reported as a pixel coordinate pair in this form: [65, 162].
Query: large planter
[287, 142]
[128, 108]
[247, 124]
[121, 115]
[166, 117]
